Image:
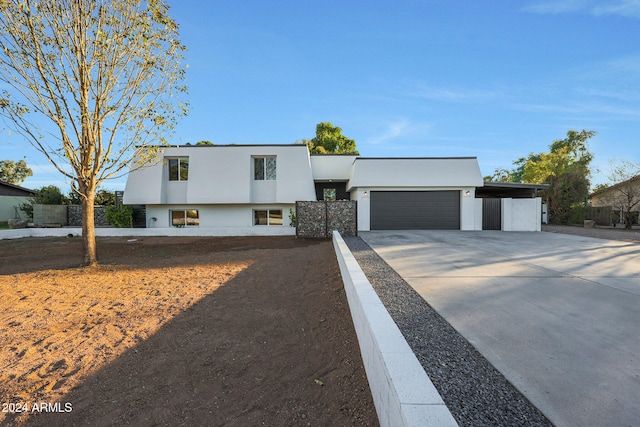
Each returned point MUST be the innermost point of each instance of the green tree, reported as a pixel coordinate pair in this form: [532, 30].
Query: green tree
[599, 187]
[48, 195]
[330, 140]
[99, 79]
[500, 175]
[105, 198]
[565, 168]
[14, 172]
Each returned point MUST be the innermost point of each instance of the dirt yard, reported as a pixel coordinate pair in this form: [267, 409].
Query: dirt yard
[611, 233]
[178, 331]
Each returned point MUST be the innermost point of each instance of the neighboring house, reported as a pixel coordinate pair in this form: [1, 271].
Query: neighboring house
[622, 197]
[11, 196]
[253, 188]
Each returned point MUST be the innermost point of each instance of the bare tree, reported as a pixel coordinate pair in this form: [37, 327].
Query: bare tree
[624, 190]
[87, 81]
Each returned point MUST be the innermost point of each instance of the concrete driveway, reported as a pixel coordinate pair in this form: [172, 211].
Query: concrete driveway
[558, 315]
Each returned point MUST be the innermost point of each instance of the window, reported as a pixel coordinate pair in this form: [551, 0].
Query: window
[179, 169]
[329, 194]
[267, 217]
[264, 168]
[185, 218]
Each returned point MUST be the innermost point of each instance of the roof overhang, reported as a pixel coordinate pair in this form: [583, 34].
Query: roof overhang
[509, 189]
[14, 190]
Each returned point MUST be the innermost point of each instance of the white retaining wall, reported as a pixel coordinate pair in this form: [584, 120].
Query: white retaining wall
[402, 392]
[141, 232]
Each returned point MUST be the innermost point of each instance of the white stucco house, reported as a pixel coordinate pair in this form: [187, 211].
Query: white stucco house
[251, 189]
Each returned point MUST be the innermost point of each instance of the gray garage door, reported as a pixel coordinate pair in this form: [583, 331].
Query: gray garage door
[415, 210]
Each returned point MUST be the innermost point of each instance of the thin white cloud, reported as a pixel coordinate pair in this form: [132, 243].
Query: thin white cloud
[449, 94]
[617, 78]
[607, 89]
[556, 7]
[627, 64]
[601, 110]
[397, 129]
[546, 108]
[626, 8]
[393, 130]
[623, 96]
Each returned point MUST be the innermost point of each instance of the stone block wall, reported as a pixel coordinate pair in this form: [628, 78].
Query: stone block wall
[311, 219]
[342, 216]
[319, 219]
[74, 215]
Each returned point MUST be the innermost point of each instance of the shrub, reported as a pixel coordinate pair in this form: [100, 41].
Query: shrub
[577, 214]
[119, 216]
[49, 195]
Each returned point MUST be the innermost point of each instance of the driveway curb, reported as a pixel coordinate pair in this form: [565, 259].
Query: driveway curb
[402, 392]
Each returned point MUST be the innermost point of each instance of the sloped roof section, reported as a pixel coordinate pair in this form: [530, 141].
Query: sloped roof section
[604, 190]
[332, 167]
[7, 189]
[416, 172]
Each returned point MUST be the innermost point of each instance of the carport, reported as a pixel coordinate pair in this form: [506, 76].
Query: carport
[493, 194]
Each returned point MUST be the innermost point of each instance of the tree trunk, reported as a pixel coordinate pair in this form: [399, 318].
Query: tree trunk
[627, 219]
[89, 230]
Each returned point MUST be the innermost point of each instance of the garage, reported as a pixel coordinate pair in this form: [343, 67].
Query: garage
[415, 210]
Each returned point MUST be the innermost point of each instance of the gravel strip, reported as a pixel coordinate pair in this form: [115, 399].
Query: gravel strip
[473, 390]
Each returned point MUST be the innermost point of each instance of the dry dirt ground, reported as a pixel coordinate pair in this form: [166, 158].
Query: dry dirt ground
[178, 331]
[611, 233]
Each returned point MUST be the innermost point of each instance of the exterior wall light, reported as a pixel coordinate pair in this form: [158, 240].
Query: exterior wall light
[467, 193]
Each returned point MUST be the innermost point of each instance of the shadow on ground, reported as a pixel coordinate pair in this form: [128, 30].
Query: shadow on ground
[275, 345]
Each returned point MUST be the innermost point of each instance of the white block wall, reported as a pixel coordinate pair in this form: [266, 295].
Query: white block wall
[522, 214]
[402, 392]
[146, 232]
[468, 209]
[477, 212]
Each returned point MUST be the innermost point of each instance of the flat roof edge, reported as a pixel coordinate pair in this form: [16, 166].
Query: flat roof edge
[514, 185]
[220, 145]
[332, 154]
[419, 158]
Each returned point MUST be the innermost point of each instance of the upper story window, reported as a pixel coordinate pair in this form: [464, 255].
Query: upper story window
[264, 168]
[178, 169]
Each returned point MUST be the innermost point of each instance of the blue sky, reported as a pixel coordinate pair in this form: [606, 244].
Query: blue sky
[492, 79]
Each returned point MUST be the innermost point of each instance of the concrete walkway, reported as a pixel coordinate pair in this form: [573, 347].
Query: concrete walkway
[558, 315]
